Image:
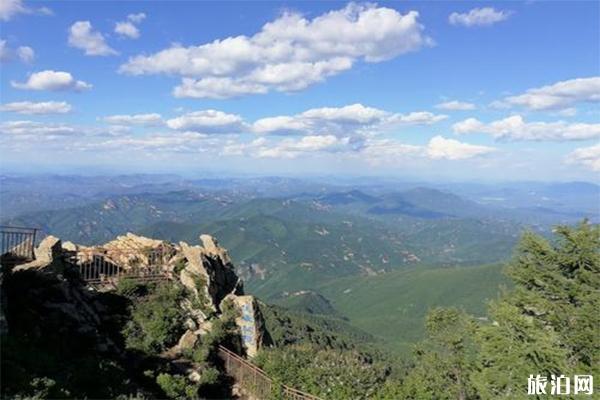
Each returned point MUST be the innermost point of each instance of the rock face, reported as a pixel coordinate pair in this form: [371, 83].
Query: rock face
[209, 272]
[205, 270]
[250, 322]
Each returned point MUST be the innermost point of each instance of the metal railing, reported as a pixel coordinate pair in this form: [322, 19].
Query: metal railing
[17, 243]
[100, 266]
[255, 381]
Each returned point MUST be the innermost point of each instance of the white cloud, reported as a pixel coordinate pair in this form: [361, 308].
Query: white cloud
[216, 88]
[341, 121]
[35, 129]
[286, 148]
[515, 128]
[418, 118]
[28, 107]
[450, 149]
[152, 119]
[83, 36]
[26, 54]
[289, 53]
[52, 80]
[207, 121]
[456, 105]
[485, 16]
[30, 132]
[556, 96]
[180, 142]
[23, 53]
[136, 18]
[586, 156]
[128, 28]
[380, 151]
[10, 8]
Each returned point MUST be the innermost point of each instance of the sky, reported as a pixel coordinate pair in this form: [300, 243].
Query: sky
[438, 90]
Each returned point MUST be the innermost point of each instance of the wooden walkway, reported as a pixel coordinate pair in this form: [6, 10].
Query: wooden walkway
[255, 381]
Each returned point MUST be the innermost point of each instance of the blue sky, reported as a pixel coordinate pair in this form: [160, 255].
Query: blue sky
[440, 90]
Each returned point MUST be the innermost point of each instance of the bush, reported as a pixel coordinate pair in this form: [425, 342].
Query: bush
[177, 387]
[131, 288]
[210, 376]
[156, 320]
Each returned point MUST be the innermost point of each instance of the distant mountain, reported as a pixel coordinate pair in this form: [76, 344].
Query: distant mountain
[306, 301]
[353, 196]
[99, 221]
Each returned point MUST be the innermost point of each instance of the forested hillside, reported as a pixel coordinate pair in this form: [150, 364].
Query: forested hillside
[547, 324]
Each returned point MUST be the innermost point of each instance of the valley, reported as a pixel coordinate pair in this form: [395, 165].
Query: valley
[375, 256]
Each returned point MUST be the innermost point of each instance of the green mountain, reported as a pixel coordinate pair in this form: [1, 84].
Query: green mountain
[392, 306]
[283, 245]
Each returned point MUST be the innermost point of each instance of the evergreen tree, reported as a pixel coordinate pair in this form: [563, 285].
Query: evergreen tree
[548, 324]
[445, 361]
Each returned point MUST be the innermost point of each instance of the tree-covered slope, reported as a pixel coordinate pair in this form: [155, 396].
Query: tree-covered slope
[392, 306]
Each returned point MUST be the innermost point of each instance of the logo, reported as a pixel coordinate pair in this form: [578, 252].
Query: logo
[560, 385]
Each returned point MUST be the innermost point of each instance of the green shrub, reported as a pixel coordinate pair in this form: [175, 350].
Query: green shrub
[209, 376]
[156, 320]
[131, 288]
[177, 387]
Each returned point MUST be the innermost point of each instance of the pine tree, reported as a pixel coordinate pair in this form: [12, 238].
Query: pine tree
[445, 361]
[549, 323]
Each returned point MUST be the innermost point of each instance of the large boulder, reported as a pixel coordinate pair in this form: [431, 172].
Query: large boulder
[48, 255]
[208, 272]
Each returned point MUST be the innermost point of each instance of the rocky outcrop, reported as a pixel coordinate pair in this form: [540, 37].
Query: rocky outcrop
[209, 272]
[48, 256]
[45, 295]
[205, 270]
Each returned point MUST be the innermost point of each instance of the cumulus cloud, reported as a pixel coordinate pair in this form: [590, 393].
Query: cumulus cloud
[40, 108]
[129, 28]
[83, 36]
[152, 119]
[10, 8]
[52, 80]
[288, 54]
[515, 128]
[485, 16]
[339, 121]
[456, 105]
[208, 121]
[559, 95]
[24, 53]
[586, 156]
[450, 149]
